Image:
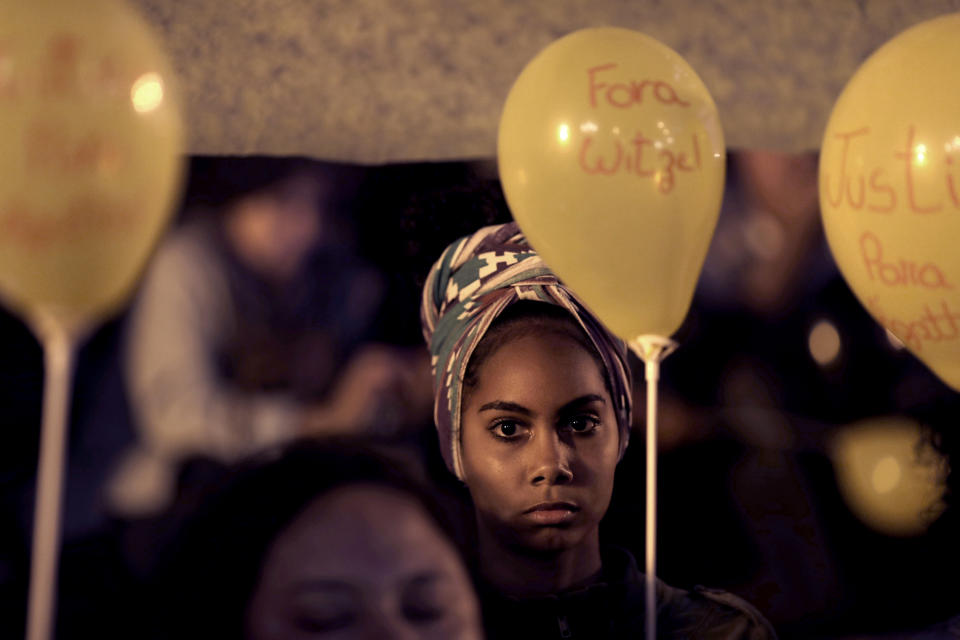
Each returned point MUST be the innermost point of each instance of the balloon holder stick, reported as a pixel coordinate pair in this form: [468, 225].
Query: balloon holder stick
[652, 349]
[59, 340]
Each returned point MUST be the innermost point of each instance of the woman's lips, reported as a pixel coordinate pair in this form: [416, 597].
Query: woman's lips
[551, 513]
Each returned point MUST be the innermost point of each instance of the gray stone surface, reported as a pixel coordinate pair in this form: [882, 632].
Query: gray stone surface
[375, 81]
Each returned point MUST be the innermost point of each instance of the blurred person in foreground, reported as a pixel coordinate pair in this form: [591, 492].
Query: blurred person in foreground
[533, 411]
[319, 539]
[253, 327]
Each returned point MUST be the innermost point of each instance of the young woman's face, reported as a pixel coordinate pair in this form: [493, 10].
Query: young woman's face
[540, 443]
[363, 561]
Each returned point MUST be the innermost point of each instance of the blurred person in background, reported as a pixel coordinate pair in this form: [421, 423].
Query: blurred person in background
[253, 326]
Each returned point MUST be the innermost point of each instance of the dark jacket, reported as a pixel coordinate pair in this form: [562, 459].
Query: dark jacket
[613, 607]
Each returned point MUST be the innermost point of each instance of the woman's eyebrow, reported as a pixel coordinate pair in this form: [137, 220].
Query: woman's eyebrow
[582, 400]
[503, 405]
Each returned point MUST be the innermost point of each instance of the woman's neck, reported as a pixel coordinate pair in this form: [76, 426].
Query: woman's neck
[521, 572]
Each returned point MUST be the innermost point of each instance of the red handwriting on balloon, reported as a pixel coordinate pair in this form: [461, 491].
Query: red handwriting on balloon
[51, 149]
[34, 229]
[858, 184]
[58, 71]
[908, 160]
[936, 323]
[895, 272]
[626, 94]
[65, 69]
[953, 152]
[642, 157]
[8, 83]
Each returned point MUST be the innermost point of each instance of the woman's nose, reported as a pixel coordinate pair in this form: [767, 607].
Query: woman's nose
[550, 459]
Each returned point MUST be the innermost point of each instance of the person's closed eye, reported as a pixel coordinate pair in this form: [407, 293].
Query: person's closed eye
[424, 600]
[325, 609]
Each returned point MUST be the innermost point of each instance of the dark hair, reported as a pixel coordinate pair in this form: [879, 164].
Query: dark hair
[524, 318]
[214, 181]
[214, 565]
[940, 419]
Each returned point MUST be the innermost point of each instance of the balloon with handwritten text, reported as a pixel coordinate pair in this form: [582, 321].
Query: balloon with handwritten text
[890, 190]
[612, 159]
[91, 162]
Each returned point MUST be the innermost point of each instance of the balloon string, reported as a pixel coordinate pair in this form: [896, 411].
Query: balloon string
[58, 348]
[652, 350]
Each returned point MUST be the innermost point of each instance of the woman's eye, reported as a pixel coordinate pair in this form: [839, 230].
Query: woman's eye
[422, 612]
[324, 621]
[324, 612]
[582, 424]
[506, 429]
[424, 600]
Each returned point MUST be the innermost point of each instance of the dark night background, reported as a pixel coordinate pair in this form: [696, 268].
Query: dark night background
[748, 493]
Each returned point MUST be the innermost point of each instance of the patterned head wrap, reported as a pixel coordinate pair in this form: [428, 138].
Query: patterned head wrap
[475, 279]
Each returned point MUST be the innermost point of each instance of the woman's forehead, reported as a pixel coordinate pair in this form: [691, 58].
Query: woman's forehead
[375, 524]
[559, 327]
[533, 361]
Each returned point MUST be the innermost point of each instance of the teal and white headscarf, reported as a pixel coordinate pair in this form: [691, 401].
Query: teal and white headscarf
[475, 279]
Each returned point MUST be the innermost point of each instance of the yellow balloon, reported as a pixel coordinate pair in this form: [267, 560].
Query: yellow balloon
[890, 190]
[91, 160]
[612, 158]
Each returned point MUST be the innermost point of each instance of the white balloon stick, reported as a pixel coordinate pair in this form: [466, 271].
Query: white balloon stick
[58, 351]
[652, 350]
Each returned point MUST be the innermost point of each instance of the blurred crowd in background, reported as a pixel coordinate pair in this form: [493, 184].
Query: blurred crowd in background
[283, 304]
